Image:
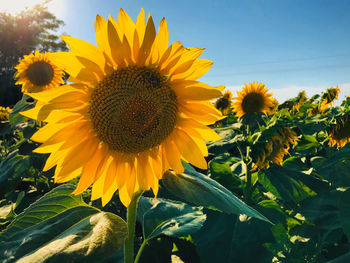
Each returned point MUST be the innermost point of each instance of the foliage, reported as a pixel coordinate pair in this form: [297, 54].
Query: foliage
[295, 212]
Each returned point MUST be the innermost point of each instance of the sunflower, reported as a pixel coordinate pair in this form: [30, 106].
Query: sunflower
[273, 107]
[276, 148]
[252, 98]
[300, 100]
[36, 72]
[329, 97]
[134, 110]
[4, 113]
[224, 102]
[340, 133]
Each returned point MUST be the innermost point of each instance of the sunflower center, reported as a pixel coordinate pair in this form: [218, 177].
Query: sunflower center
[40, 73]
[253, 102]
[133, 109]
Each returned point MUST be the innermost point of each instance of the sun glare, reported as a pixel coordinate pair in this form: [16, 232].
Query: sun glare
[15, 6]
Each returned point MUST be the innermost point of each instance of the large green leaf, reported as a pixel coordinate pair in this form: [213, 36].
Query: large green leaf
[335, 168]
[285, 184]
[229, 238]
[171, 218]
[322, 210]
[344, 209]
[60, 227]
[201, 190]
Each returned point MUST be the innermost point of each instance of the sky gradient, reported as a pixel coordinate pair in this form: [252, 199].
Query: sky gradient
[288, 45]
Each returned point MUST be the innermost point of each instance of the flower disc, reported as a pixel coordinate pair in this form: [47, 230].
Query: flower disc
[40, 73]
[133, 109]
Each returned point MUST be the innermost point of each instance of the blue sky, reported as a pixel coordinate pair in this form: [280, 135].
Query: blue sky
[288, 45]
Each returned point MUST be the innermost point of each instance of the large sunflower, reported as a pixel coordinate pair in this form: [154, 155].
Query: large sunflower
[36, 72]
[253, 98]
[135, 109]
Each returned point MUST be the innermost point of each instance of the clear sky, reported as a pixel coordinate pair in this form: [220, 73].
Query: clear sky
[289, 45]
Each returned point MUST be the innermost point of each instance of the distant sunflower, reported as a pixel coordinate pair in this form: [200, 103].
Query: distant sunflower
[36, 72]
[329, 97]
[224, 103]
[300, 100]
[252, 99]
[340, 134]
[276, 148]
[4, 113]
[135, 109]
[273, 107]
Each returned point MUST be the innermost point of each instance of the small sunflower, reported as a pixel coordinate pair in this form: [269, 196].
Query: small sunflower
[223, 104]
[4, 113]
[134, 110]
[340, 134]
[300, 100]
[36, 72]
[273, 107]
[329, 97]
[252, 99]
[276, 148]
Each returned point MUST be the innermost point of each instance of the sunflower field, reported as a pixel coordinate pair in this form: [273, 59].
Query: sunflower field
[118, 153]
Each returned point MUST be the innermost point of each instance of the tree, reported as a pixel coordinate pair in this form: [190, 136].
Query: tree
[33, 28]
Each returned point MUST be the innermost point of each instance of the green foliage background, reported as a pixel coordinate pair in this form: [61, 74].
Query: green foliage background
[297, 212]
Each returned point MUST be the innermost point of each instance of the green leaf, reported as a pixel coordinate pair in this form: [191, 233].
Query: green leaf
[12, 169]
[60, 227]
[307, 142]
[171, 218]
[344, 209]
[285, 184]
[201, 190]
[335, 168]
[322, 210]
[23, 105]
[229, 238]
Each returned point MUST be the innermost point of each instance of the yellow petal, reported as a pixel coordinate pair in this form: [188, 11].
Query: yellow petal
[127, 26]
[173, 155]
[81, 48]
[142, 171]
[150, 34]
[161, 42]
[111, 173]
[115, 44]
[140, 25]
[124, 196]
[55, 158]
[205, 132]
[101, 35]
[89, 171]
[67, 61]
[189, 149]
[197, 91]
[197, 69]
[78, 156]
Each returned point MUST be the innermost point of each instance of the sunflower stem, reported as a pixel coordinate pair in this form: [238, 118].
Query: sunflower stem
[138, 256]
[131, 221]
[249, 187]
